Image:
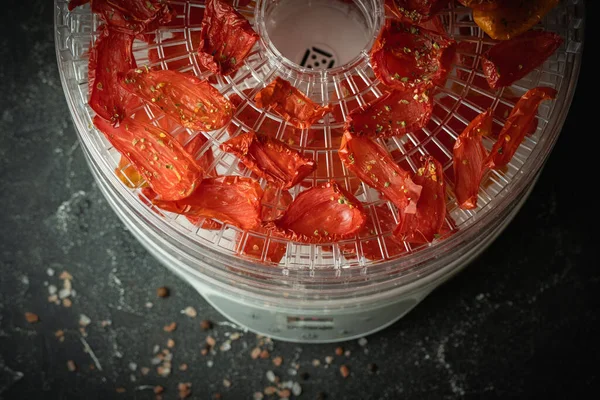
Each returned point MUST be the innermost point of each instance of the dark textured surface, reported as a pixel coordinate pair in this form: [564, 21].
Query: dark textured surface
[520, 322]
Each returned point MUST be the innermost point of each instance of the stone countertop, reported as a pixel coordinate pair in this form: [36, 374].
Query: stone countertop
[520, 322]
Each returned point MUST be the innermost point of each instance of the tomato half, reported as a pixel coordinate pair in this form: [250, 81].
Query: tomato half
[76, 3]
[163, 162]
[290, 103]
[374, 166]
[469, 158]
[111, 55]
[226, 38]
[520, 122]
[409, 57]
[233, 200]
[270, 158]
[511, 60]
[416, 11]
[321, 214]
[393, 114]
[192, 102]
[426, 223]
[133, 16]
[512, 18]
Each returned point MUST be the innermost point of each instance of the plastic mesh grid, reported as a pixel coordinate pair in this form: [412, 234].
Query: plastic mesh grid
[464, 95]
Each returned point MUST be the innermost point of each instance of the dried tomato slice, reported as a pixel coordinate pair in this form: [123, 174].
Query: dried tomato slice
[233, 200]
[520, 122]
[374, 166]
[426, 223]
[133, 16]
[129, 175]
[393, 114]
[206, 159]
[169, 170]
[512, 17]
[76, 3]
[192, 102]
[321, 214]
[409, 57]
[274, 203]
[469, 158]
[111, 55]
[509, 61]
[290, 103]
[416, 11]
[270, 158]
[226, 38]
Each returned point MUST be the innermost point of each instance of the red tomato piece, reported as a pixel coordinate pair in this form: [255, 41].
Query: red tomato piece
[426, 223]
[349, 95]
[290, 103]
[434, 24]
[133, 16]
[469, 158]
[409, 57]
[393, 114]
[206, 159]
[193, 102]
[274, 203]
[226, 38]
[321, 214]
[169, 170]
[254, 247]
[111, 55]
[270, 158]
[374, 166]
[233, 200]
[76, 3]
[520, 122]
[416, 11]
[483, 4]
[129, 175]
[511, 60]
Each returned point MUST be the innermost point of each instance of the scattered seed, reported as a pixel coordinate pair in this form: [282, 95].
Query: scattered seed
[270, 390]
[257, 396]
[362, 342]
[158, 389]
[211, 341]
[255, 353]
[286, 393]
[205, 350]
[53, 299]
[185, 390]
[170, 343]
[226, 383]
[316, 362]
[344, 371]
[149, 304]
[235, 336]
[264, 354]
[163, 291]
[183, 367]
[190, 312]
[170, 328]
[225, 346]
[328, 359]
[71, 366]
[105, 323]
[271, 377]
[347, 353]
[145, 370]
[205, 325]
[372, 367]
[60, 335]
[67, 303]
[339, 351]
[31, 317]
[84, 320]
[65, 276]
[277, 361]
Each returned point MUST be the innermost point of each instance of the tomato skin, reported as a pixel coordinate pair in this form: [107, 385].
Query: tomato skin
[408, 57]
[192, 102]
[520, 122]
[511, 60]
[169, 170]
[469, 158]
[393, 114]
[226, 38]
[424, 225]
[111, 55]
[270, 158]
[321, 214]
[372, 164]
[233, 200]
[416, 11]
[290, 103]
[512, 18]
[133, 16]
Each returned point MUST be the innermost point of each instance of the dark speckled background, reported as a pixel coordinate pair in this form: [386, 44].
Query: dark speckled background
[521, 322]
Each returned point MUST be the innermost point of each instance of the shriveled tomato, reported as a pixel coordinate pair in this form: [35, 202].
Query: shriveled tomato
[321, 214]
[274, 203]
[511, 60]
[226, 38]
[416, 11]
[270, 158]
[193, 102]
[111, 55]
[233, 200]
[434, 24]
[512, 17]
[409, 57]
[349, 89]
[76, 3]
[426, 223]
[469, 158]
[483, 4]
[169, 170]
[255, 247]
[290, 103]
[133, 16]
[393, 114]
[520, 122]
[205, 161]
[374, 166]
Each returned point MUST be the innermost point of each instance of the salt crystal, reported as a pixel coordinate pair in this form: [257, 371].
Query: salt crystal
[296, 389]
[292, 372]
[149, 305]
[132, 378]
[50, 272]
[64, 293]
[270, 376]
[480, 296]
[226, 346]
[362, 342]
[258, 396]
[155, 349]
[210, 363]
[235, 336]
[190, 312]
[52, 289]
[316, 362]
[329, 359]
[25, 280]
[132, 366]
[84, 320]
[226, 383]
[155, 361]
